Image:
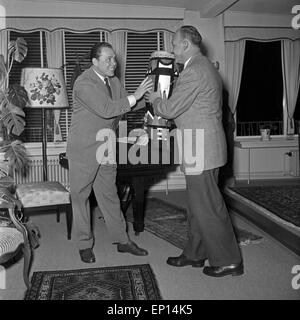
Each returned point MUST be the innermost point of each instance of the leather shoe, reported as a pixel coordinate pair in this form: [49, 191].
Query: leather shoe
[232, 269]
[182, 261]
[87, 255]
[131, 247]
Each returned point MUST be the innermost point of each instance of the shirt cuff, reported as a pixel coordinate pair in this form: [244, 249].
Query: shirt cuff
[132, 100]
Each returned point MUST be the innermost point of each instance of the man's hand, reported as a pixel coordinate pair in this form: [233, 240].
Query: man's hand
[146, 85]
[156, 94]
[143, 140]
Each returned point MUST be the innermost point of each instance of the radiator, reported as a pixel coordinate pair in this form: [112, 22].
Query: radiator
[35, 173]
[57, 173]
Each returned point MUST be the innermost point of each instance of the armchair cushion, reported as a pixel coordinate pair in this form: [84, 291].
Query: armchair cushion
[10, 239]
[42, 194]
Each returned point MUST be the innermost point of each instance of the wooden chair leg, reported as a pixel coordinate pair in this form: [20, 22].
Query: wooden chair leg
[128, 200]
[27, 260]
[69, 218]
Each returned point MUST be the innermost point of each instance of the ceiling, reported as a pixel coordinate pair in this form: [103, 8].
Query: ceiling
[208, 8]
[265, 6]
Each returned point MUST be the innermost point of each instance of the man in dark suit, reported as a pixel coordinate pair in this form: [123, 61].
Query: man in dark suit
[98, 99]
[196, 104]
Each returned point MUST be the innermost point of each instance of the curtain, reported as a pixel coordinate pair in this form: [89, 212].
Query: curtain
[3, 50]
[290, 55]
[234, 59]
[3, 42]
[118, 40]
[3, 84]
[105, 36]
[54, 50]
[168, 41]
[90, 24]
[260, 33]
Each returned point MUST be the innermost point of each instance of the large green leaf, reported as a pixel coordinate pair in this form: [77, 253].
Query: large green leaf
[4, 169]
[18, 49]
[17, 95]
[2, 99]
[6, 181]
[16, 153]
[13, 119]
[3, 71]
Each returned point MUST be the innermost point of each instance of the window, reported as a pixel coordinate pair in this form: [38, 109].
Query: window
[139, 49]
[261, 91]
[36, 57]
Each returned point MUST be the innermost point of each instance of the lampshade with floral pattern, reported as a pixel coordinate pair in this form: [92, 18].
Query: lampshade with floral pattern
[46, 90]
[45, 87]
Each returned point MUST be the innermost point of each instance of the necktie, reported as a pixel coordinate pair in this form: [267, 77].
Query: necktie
[115, 123]
[108, 87]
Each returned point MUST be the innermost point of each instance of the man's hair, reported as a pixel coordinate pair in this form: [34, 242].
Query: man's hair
[97, 48]
[192, 34]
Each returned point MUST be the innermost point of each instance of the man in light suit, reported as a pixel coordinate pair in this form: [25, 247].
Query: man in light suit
[196, 104]
[98, 99]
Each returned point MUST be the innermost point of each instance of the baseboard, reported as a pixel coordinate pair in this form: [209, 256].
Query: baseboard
[264, 175]
[275, 230]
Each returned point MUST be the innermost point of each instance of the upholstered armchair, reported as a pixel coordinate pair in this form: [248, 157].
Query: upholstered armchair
[13, 238]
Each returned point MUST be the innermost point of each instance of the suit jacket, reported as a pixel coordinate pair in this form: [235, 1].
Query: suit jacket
[93, 110]
[196, 103]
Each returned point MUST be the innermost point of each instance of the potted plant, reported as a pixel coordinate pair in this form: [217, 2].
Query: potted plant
[13, 98]
[265, 131]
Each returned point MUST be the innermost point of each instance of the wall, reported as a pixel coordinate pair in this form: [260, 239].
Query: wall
[248, 19]
[212, 34]
[69, 9]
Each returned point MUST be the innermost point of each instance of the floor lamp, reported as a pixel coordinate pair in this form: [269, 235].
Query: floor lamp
[46, 90]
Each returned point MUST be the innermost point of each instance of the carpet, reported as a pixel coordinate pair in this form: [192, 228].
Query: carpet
[169, 222]
[283, 201]
[133, 282]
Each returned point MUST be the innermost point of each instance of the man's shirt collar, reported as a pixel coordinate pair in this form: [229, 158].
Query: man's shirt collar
[187, 61]
[99, 75]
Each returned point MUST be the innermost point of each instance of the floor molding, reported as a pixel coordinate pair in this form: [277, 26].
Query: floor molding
[286, 237]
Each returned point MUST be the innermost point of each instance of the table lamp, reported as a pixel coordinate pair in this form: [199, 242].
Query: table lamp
[46, 90]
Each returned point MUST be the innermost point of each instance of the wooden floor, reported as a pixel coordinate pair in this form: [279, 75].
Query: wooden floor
[289, 236]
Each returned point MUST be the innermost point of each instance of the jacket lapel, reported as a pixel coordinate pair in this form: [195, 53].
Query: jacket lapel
[185, 70]
[192, 60]
[96, 78]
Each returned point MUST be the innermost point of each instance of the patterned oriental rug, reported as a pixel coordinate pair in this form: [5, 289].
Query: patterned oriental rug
[169, 222]
[134, 282]
[283, 201]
